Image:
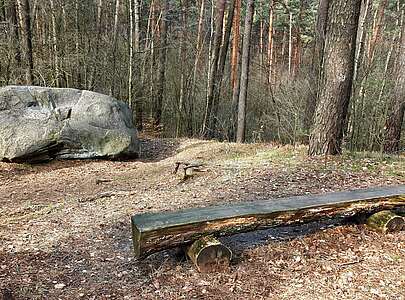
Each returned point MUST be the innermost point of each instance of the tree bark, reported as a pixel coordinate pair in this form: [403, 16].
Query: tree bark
[317, 63]
[158, 102]
[378, 18]
[25, 21]
[198, 51]
[393, 124]
[335, 90]
[244, 80]
[270, 43]
[235, 43]
[15, 33]
[55, 44]
[114, 46]
[221, 66]
[206, 130]
[131, 51]
[98, 37]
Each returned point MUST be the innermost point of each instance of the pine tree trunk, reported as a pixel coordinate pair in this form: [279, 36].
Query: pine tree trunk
[25, 21]
[131, 51]
[198, 50]
[221, 66]
[55, 44]
[15, 33]
[137, 12]
[270, 43]
[335, 89]
[393, 124]
[206, 130]
[244, 80]
[157, 111]
[114, 46]
[235, 43]
[181, 109]
[317, 62]
[379, 15]
[98, 37]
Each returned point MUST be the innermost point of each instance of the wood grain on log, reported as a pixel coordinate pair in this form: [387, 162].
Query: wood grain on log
[208, 254]
[157, 231]
[386, 221]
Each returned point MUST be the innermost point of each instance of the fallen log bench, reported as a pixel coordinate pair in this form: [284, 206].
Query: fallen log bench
[153, 232]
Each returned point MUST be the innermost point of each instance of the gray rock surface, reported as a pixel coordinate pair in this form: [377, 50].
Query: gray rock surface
[39, 123]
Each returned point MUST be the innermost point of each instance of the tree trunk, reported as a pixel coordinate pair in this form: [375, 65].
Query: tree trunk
[77, 45]
[98, 37]
[198, 51]
[131, 51]
[270, 43]
[15, 34]
[379, 15]
[393, 124]
[181, 109]
[114, 46]
[137, 12]
[335, 90]
[290, 41]
[157, 112]
[25, 21]
[206, 130]
[244, 80]
[221, 66]
[360, 36]
[317, 62]
[55, 44]
[235, 43]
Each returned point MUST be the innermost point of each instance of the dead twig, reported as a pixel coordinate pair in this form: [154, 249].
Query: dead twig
[107, 194]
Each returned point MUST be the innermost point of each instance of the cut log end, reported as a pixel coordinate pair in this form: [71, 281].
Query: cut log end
[209, 255]
[386, 221]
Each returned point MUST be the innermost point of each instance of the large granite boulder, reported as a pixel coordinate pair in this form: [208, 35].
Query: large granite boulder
[38, 123]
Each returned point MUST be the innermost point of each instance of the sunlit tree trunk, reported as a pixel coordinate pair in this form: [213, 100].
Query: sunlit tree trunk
[317, 62]
[378, 18]
[244, 80]
[338, 66]
[235, 43]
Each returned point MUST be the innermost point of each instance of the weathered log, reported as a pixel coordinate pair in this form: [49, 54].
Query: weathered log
[386, 221]
[208, 254]
[153, 232]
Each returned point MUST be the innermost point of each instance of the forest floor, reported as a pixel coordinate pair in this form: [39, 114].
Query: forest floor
[65, 226]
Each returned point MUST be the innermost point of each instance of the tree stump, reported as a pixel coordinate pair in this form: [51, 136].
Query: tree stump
[386, 221]
[209, 255]
[189, 169]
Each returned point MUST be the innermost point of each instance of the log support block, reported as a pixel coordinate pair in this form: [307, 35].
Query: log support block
[209, 255]
[386, 222]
